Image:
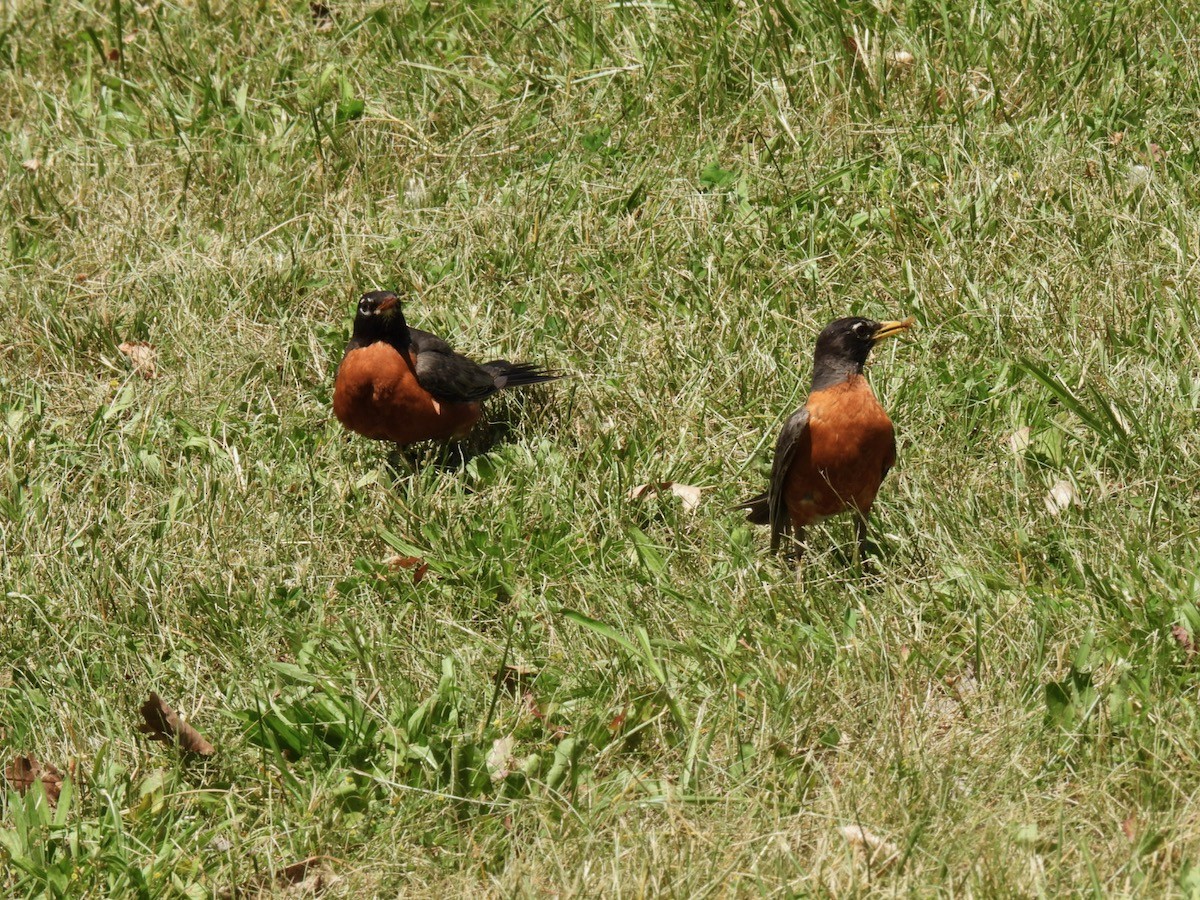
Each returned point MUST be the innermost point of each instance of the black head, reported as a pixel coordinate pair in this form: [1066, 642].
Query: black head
[844, 345]
[379, 318]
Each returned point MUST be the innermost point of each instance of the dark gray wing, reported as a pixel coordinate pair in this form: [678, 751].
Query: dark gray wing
[447, 375]
[785, 452]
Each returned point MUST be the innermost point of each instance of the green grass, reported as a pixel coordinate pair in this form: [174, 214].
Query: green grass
[667, 200]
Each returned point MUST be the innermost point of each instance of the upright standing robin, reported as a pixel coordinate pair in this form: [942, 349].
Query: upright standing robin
[834, 451]
[400, 384]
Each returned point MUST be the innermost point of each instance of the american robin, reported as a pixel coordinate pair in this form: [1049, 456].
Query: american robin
[834, 451]
[396, 383]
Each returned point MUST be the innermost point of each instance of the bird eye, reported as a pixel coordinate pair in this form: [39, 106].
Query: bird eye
[862, 330]
[365, 306]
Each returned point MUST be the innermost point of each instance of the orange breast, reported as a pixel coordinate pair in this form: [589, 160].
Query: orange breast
[843, 455]
[377, 394]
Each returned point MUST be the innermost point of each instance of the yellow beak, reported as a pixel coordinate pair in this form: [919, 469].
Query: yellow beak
[890, 329]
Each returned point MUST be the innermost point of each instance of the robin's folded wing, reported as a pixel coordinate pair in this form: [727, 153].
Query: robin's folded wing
[785, 451]
[447, 375]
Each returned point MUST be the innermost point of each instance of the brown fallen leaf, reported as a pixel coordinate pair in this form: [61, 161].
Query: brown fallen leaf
[163, 724]
[142, 356]
[31, 165]
[1128, 826]
[1116, 138]
[854, 49]
[515, 676]
[532, 707]
[306, 878]
[879, 852]
[417, 564]
[688, 493]
[25, 771]
[1184, 640]
[322, 15]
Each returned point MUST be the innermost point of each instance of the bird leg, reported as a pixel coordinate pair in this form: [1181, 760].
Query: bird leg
[860, 543]
[795, 551]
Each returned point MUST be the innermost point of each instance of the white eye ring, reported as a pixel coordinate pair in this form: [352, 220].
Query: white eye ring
[862, 330]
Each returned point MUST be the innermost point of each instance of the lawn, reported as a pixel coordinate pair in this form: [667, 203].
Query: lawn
[491, 670]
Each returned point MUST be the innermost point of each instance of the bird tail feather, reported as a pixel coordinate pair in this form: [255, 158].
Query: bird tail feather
[510, 375]
[758, 509]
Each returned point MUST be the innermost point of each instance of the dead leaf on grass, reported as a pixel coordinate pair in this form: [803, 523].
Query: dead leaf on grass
[308, 877]
[532, 707]
[1061, 495]
[515, 676]
[1020, 440]
[305, 878]
[322, 15]
[879, 852]
[1184, 640]
[142, 356]
[163, 724]
[25, 771]
[499, 759]
[688, 493]
[1128, 826]
[417, 564]
[31, 165]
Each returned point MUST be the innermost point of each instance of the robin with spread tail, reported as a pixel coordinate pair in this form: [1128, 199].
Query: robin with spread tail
[400, 384]
[834, 451]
